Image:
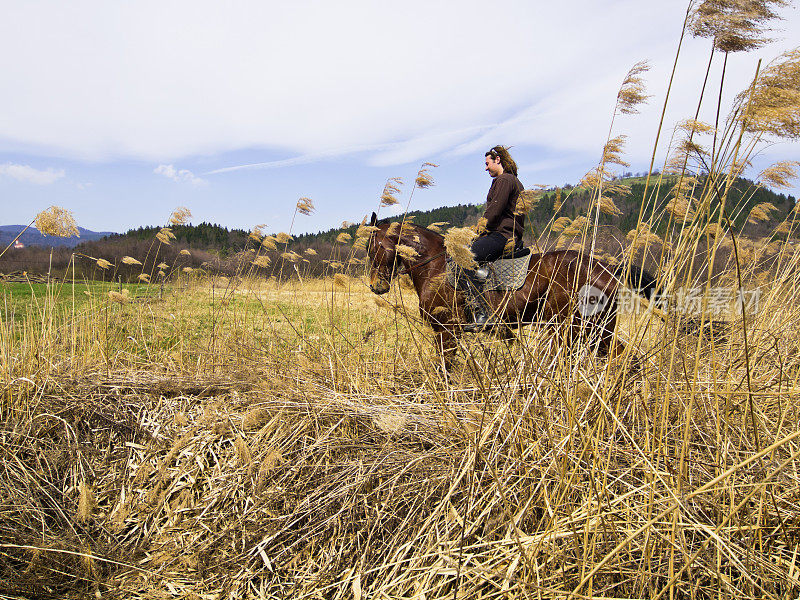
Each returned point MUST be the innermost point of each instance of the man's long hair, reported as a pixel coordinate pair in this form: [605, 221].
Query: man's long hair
[501, 152]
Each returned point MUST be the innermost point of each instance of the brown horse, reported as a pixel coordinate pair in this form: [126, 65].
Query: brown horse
[564, 288]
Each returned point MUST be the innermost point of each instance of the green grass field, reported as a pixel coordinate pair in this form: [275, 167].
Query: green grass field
[19, 297]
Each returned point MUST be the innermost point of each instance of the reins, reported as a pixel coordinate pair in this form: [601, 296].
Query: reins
[419, 264]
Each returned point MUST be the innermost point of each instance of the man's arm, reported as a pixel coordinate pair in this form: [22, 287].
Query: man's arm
[497, 203]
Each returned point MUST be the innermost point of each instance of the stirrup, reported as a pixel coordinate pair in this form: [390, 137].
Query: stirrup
[481, 323]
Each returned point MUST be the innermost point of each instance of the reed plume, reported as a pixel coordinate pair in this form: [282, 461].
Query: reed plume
[165, 235]
[129, 260]
[773, 106]
[607, 206]
[256, 233]
[365, 231]
[291, 256]
[119, 297]
[305, 206]
[734, 25]
[612, 151]
[180, 216]
[680, 206]
[575, 227]
[527, 201]
[715, 231]
[457, 241]
[760, 212]
[780, 175]
[56, 221]
[424, 178]
[406, 252]
[103, 263]
[560, 224]
[642, 237]
[343, 238]
[262, 261]
[783, 228]
[694, 127]
[632, 92]
[390, 191]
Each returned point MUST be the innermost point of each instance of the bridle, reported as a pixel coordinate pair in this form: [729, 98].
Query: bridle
[407, 270]
[420, 263]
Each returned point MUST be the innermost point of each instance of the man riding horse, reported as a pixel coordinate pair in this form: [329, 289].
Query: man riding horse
[502, 224]
[551, 293]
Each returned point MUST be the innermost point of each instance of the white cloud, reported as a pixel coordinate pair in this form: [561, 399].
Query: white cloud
[303, 159]
[167, 81]
[28, 174]
[179, 175]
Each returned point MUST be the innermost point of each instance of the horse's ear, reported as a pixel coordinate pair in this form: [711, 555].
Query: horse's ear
[374, 220]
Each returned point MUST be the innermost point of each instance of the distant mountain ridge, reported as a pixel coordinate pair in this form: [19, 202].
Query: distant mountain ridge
[33, 237]
[571, 201]
[220, 249]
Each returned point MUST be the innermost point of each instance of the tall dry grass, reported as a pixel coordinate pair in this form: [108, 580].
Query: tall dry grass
[272, 435]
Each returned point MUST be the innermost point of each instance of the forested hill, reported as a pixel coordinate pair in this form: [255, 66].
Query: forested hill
[575, 201]
[32, 237]
[205, 236]
[213, 244]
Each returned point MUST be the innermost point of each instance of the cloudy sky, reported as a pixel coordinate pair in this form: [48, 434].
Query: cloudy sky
[121, 111]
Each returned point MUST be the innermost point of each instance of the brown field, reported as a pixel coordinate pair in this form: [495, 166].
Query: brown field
[199, 437]
[298, 440]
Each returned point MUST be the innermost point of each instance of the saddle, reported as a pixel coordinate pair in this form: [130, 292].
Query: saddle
[507, 273]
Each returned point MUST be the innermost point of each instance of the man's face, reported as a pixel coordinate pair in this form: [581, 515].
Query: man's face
[493, 166]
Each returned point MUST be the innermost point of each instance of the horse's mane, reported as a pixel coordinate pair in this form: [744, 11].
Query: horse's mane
[387, 221]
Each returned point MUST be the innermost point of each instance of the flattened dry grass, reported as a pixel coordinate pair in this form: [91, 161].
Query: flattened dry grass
[297, 440]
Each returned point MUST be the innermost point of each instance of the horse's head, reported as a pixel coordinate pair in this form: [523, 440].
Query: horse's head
[383, 259]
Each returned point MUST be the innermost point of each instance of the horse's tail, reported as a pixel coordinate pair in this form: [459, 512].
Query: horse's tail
[638, 279]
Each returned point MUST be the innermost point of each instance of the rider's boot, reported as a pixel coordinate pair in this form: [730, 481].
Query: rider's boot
[478, 306]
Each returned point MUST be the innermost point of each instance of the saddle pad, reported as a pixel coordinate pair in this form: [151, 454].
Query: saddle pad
[505, 274]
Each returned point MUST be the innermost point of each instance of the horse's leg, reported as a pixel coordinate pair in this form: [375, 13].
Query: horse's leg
[609, 344]
[446, 344]
[606, 344]
[508, 335]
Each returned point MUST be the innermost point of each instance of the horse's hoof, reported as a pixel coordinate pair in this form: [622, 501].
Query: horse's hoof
[480, 326]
